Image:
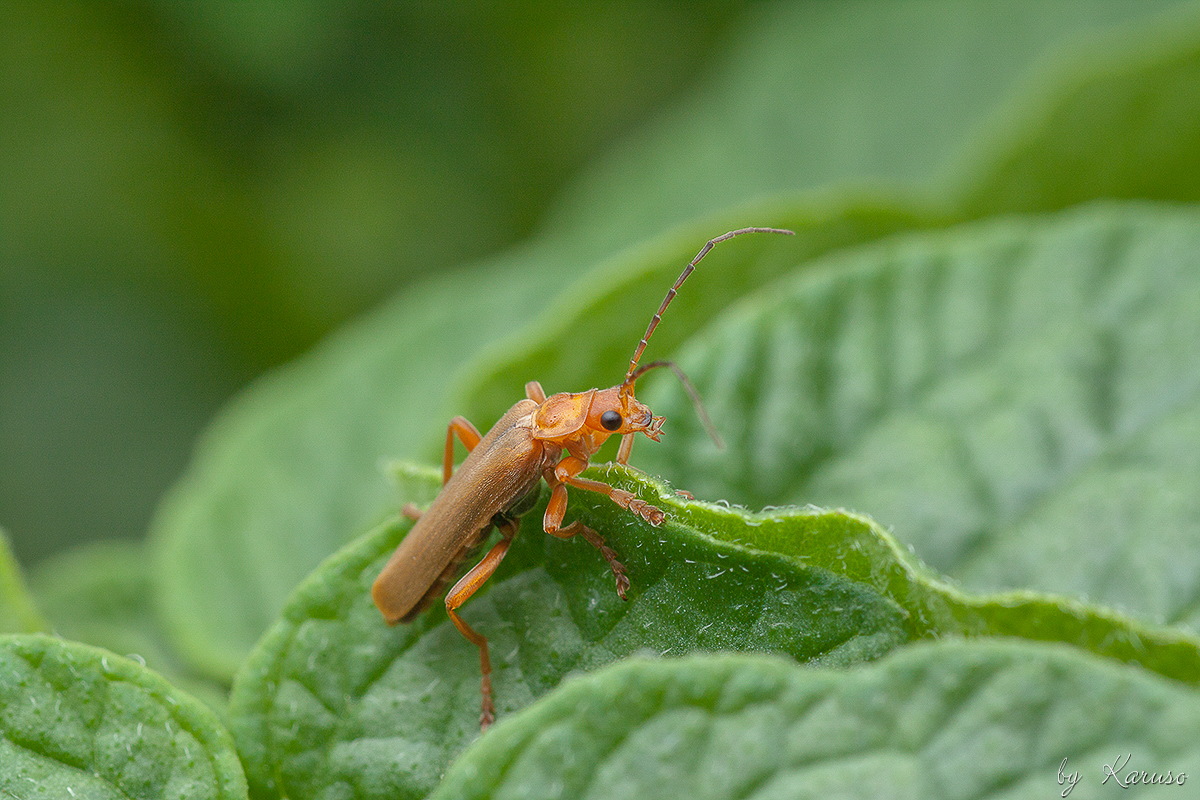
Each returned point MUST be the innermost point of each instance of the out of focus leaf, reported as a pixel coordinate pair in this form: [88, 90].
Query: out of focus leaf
[17, 611]
[78, 721]
[101, 594]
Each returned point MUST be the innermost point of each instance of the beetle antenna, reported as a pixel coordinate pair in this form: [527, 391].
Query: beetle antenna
[691, 390]
[637, 354]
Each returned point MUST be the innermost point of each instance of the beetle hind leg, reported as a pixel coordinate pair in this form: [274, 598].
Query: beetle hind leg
[462, 591]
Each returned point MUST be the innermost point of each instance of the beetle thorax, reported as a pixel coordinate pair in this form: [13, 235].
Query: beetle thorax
[561, 415]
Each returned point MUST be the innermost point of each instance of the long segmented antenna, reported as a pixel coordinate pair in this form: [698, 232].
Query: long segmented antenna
[633, 372]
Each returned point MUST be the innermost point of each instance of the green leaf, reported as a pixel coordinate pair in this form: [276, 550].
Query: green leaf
[291, 470]
[1017, 400]
[77, 721]
[982, 719]
[101, 594]
[854, 547]
[17, 611]
[333, 700]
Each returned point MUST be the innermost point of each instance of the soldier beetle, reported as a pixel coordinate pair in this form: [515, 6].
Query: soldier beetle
[540, 437]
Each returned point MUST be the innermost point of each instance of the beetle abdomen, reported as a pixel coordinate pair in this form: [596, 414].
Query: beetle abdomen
[502, 469]
[448, 574]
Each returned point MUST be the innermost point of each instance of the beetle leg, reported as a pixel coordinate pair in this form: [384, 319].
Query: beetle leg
[597, 541]
[469, 435]
[411, 511]
[535, 392]
[625, 449]
[568, 471]
[462, 591]
[552, 523]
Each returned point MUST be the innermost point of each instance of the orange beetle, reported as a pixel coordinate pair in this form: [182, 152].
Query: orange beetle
[550, 438]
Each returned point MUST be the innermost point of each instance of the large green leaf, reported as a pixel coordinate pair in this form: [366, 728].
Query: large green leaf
[17, 611]
[289, 472]
[1017, 400]
[333, 701]
[77, 721]
[997, 719]
[292, 470]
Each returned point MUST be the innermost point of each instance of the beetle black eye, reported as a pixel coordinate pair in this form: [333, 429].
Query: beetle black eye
[611, 420]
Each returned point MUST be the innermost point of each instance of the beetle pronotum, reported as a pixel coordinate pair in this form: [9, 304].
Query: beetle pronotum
[540, 437]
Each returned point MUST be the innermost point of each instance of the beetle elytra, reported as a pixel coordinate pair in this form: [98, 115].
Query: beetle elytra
[550, 438]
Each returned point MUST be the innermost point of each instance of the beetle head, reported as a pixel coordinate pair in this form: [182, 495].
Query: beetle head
[617, 411]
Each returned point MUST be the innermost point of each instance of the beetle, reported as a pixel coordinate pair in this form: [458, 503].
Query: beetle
[551, 438]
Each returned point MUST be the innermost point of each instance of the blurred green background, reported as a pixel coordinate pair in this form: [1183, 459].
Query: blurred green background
[192, 193]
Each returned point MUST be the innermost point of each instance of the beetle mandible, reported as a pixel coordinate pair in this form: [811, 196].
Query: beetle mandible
[540, 437]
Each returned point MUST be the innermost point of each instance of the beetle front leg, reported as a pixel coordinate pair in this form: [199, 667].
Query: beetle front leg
[568, 471]
[625, 449]
[462, 591]
[467, 433]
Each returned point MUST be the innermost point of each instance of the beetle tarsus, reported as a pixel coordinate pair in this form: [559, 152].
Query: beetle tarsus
[618, 569]
[487, 714]
[618, 572]
[609, 555]
[652, 514]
